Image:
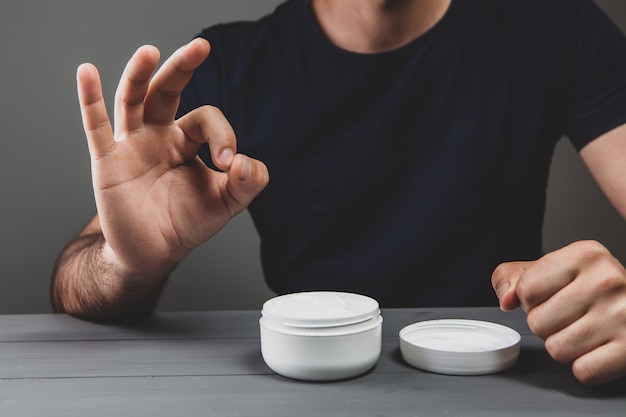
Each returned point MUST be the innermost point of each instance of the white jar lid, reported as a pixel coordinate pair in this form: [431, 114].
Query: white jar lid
[320, 309]
[459, 347]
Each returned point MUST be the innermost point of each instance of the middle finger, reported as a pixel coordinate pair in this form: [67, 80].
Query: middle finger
[132, 89]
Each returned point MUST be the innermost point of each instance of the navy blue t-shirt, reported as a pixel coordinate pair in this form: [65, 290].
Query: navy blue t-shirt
[409, 175]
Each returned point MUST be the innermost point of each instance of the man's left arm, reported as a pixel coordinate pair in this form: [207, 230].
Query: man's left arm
[575, 297]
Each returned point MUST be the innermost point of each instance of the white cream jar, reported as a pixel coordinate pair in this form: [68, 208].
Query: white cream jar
[321, 336]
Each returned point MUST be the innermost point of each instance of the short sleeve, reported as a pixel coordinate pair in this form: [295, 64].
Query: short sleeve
[596, 80]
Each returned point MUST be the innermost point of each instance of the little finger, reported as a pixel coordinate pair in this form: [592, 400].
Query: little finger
[93, 110]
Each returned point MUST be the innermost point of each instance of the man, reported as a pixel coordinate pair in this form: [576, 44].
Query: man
[409, 145]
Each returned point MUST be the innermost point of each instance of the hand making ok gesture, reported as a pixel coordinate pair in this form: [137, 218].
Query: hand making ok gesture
[156, 200]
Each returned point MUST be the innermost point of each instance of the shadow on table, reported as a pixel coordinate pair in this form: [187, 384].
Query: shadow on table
[536, 368]
[194, 325]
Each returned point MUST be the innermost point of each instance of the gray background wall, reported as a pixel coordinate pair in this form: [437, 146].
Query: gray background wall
[45, 184]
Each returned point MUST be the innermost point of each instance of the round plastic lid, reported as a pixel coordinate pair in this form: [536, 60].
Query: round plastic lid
[459, 347]
[320, 309]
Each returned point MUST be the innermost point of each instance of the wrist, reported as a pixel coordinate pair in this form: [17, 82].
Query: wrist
[122, 286]
[148, 270]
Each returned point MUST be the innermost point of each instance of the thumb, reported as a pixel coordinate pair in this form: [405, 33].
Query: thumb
[247, 177]
[504, 281]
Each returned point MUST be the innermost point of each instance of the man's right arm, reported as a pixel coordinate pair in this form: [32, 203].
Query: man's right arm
[156, 200]
[87, 284]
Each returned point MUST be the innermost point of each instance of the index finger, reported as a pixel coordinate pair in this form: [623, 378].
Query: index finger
[504, 281]
[208, 124]
[163, 95]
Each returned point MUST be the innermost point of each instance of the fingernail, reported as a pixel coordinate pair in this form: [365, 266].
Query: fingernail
[246, 169]
[502, 289]
[226, 156]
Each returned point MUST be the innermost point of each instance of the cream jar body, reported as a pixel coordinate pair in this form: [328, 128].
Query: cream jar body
[321, 336]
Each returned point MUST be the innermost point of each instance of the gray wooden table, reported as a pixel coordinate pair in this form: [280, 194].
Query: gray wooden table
[209, 364]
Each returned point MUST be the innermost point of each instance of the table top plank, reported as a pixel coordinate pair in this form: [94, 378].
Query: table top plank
[398, 395]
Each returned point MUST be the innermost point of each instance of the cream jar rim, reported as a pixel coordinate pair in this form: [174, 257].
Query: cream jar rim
[320, 309]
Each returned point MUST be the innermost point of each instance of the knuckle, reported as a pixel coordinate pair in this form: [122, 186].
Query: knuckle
[498, 274]
[505, 271]
[590, 250]
[585, 372]
[265, 177]
[527, 292]
[209, 111]
[611, 283]
[502, 270]
[557, 349]
[535, 323]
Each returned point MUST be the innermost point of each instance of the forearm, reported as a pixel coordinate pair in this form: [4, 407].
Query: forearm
[86, 285]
